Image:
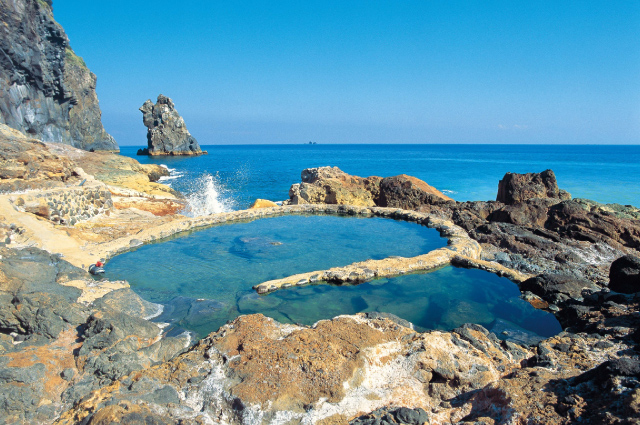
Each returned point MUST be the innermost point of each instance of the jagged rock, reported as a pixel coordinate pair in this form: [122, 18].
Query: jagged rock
[393, 416]
[330, 185]
[579, 220]
[47, 92]
[624, 275]
[556, 286]
[516, 187]
[529, 213]
[167, 133]
[255, 370]
[409, 193]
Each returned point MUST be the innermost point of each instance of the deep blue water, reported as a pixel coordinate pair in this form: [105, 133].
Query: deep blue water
[204, 278]
[607, 174]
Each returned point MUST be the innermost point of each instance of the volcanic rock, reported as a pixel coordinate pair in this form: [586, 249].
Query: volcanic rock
[585, 221]
[556, 286]
[519, 187]
[167, 133]
[624, 275]
[47, 92]
[330, 185]
[408, 193]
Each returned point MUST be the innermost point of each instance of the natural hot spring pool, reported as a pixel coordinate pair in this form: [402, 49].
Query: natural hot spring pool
[204, 279]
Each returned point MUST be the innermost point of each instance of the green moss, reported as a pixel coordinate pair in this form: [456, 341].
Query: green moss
[44, 4]
[74, 59]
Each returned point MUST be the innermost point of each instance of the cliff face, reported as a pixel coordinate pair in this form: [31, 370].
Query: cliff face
[46, 90]
[167, 133]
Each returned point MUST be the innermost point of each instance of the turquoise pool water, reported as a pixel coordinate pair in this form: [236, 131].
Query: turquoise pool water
[204, 279]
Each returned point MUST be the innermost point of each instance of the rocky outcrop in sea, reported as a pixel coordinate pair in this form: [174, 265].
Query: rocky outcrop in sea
[167, 133]
[47, 91]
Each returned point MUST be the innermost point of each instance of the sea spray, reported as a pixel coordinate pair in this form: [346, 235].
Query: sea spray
[208, 196]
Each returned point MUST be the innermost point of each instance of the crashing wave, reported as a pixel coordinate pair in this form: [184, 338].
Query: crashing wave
[208, 196]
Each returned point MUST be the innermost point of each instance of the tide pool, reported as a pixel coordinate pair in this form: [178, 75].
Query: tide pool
[204, 279]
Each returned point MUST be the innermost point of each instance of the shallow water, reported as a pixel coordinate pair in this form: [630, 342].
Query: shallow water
[204, 279]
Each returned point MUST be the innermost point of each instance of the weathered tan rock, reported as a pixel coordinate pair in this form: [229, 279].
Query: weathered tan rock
[263, 371]
[327, 185]
[262, 203]
[330, 185]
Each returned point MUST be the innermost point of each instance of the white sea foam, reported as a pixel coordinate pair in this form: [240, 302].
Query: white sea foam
[208, 196]
[173, 176]
[446, 191]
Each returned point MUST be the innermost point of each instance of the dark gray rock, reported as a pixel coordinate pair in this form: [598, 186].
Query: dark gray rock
[624, 275]
[167, 133]
[47, 92]
[549, 286]
[393, 416]
[128, 302]
[392, 317]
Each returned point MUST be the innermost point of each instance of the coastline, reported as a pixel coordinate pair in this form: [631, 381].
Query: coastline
[244, 371]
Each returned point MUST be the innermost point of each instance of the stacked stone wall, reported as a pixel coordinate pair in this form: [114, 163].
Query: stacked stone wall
[67, 207]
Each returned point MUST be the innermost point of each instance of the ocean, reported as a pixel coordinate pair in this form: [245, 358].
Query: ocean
[232, 177]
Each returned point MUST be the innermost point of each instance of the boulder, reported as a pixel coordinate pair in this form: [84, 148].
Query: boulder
[529, 213]
[624, 275]
[262, 203]
[516, 187]
[408, 193]
[167, 133]
[557, 286]
[330, 185]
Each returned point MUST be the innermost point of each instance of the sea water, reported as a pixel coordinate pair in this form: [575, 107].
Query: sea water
[240, 174]
[205, 278]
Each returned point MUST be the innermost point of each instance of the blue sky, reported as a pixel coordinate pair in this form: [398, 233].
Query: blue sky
[367, 71]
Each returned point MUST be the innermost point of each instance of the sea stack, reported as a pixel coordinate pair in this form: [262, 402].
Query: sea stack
[167, 133]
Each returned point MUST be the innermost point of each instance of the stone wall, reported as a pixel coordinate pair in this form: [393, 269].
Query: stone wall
[66, 207]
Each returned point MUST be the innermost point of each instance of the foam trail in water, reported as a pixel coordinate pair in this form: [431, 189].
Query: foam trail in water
[209, 196]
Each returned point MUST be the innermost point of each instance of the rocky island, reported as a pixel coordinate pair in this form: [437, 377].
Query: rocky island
[167, 133]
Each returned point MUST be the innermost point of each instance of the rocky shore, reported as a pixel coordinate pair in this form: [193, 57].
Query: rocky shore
[74, 349]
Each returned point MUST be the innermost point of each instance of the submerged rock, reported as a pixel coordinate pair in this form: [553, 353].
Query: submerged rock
[167, 133]
[47, 91]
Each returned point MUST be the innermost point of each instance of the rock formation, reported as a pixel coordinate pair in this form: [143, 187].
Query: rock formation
[47, 91]
[167, 133]
[624, 275]
[330, 185]
[521, 187]
[77, 350]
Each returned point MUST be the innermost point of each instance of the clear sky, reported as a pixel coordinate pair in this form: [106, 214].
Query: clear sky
[367, 71]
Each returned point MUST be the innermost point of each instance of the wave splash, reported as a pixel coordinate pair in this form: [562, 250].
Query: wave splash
[208, 196]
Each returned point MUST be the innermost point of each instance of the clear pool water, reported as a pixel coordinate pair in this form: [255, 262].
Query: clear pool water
[204, 279]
